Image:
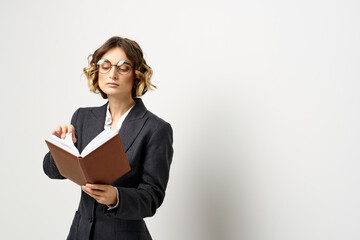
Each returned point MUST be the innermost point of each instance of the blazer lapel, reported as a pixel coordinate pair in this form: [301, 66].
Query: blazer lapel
[133, 124]
[130, 128]
[96, 120]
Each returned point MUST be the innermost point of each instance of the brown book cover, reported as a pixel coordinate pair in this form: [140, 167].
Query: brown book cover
[102, 165]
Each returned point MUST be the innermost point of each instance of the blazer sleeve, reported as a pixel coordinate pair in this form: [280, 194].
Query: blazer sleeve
[141, 202]
[49, 166]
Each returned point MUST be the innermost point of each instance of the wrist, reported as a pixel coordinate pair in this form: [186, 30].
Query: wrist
[115, 202]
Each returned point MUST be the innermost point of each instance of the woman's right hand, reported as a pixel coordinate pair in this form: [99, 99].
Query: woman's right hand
[61, 131]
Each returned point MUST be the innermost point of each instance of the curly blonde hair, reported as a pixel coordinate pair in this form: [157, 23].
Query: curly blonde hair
[134, 53]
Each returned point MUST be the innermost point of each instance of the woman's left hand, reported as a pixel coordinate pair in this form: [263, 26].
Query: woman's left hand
[104, 194]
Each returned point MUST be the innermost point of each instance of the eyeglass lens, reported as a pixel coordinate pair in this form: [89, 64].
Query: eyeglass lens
[122, 68]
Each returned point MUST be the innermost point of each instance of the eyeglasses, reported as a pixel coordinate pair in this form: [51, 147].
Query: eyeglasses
[122, 67]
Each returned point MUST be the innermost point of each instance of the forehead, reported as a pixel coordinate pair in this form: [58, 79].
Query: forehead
[114, 55]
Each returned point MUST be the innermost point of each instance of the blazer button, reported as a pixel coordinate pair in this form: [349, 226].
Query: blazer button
[90, 219]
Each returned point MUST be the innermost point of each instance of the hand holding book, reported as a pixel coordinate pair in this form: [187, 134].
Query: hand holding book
[102, 193]
[61, 131]
[102, 161]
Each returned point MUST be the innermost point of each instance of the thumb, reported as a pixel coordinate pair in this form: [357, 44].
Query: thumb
[72, 130]
[73, 137]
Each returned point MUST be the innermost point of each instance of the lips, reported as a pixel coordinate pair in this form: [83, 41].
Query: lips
[112, 84]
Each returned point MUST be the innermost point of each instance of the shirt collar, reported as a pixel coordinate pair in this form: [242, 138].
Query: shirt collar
[108, 118]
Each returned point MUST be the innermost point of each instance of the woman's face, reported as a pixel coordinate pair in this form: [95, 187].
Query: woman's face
[113, 83]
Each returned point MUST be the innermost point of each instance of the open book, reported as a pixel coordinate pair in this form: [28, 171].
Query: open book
[103, 160]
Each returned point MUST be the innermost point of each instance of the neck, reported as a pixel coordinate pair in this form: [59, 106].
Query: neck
[119, 106]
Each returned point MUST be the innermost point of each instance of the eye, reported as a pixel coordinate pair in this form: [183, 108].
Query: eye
[124, 68]
[105, 65]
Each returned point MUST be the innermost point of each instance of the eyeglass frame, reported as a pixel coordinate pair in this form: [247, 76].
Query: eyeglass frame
[120, 63]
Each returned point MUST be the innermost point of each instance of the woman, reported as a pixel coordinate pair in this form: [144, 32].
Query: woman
[119, 72]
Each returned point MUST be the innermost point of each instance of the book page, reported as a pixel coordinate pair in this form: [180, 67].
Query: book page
[66, 144]
[98, 141]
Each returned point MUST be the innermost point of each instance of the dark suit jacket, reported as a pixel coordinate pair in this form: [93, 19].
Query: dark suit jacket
[147, 140]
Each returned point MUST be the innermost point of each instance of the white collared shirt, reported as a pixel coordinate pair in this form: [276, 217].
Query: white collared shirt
[108, 119]
[107, 125]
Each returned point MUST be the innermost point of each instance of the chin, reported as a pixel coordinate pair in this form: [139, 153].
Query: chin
[117, 94]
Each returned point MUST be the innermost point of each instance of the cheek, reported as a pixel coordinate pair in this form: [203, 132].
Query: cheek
[129, 79]
[101, 83]
[101, 78]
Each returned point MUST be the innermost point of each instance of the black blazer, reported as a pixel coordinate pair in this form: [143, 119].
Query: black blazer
[147, 140]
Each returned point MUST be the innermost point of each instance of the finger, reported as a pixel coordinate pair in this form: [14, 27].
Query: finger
[63, 131]
[93, 192]
[90, 193]
[73, 138]
[57, 131]
[71, 129]
[102, 197]
[102, 187]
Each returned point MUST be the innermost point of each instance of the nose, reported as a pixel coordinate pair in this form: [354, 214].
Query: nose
[113, 73]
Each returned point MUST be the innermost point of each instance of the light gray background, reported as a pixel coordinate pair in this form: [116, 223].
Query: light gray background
[263, 97]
